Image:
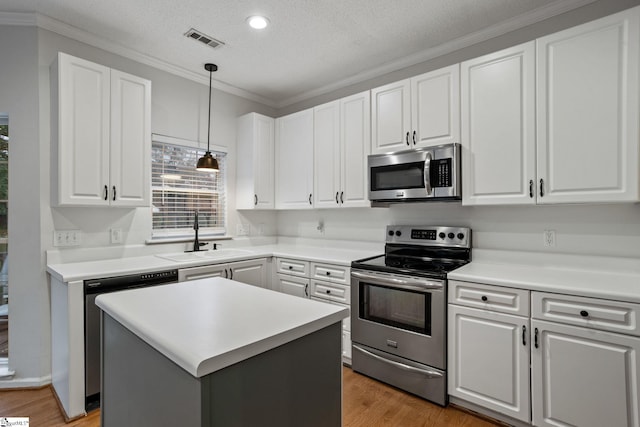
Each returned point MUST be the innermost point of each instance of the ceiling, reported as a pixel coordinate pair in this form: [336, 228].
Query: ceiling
[311, 46]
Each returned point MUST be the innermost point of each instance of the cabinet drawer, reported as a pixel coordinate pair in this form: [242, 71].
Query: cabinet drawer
[333, 273]
[293, 266]
[614, 316]
[495, 298]
[331, 291]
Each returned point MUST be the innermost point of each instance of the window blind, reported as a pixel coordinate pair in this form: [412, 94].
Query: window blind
[178, 190]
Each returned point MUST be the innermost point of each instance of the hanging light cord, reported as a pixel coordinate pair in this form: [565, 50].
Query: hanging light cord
[209, 123]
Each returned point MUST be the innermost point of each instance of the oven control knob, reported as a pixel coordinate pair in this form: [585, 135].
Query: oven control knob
[390, 232]
[442, 235]
[398, 233]
[460, 236]
[451, 235]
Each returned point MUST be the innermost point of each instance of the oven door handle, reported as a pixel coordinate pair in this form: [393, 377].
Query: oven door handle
[426, 372]
[397, 282]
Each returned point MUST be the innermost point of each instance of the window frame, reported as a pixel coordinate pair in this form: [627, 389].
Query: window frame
[173, 235]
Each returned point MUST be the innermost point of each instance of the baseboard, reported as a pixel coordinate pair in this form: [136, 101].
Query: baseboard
[67, 419]
[20, 383]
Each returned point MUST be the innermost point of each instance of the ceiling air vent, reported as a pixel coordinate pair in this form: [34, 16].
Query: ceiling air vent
[203, 38]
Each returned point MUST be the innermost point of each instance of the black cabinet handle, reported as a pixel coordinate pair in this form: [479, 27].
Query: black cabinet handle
[255, 200]
[584, 313]
[328, 273]
[407, 138]
[414, 137]
[337, 201]
[524, 335]
[531, 188]
[306, 287]
[310, 199]
[106, 192]
[291, 267]
[342, 197]
[226, 274]
[114, 192]
[535, 337]
[328, 291]
[541, 187]
[484, 298]
[231, 273]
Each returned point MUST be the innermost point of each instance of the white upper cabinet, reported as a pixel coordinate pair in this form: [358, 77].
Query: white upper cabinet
[294, 161]
[102, 135]
[390, 117]
[326, 155]
[498, 127]
[254, 169]
[341, 146]
[583, 85]
[418, 112]
[355, 145]
[587, 101]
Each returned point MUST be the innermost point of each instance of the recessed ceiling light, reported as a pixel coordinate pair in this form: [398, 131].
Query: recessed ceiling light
[258, 22]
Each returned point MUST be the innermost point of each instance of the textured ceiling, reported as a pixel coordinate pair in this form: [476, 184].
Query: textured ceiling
[311, 46]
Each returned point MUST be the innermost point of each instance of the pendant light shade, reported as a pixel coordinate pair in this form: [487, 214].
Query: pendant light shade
[208, 163]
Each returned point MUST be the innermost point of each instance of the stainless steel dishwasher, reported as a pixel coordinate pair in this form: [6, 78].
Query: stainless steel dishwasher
[93, 288]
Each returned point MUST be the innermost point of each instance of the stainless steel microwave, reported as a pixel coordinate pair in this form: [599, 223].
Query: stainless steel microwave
[426, 174]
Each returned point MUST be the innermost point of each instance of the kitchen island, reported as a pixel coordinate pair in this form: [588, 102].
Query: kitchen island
[214, 352]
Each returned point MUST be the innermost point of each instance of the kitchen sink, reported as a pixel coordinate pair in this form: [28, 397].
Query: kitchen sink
[212, 254]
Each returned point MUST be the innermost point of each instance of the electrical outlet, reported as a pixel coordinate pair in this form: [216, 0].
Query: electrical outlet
[116, 235]
[62, 238]
[549, 237]
[242, 229]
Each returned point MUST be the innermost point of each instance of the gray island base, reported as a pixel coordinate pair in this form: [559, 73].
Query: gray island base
[296, 384]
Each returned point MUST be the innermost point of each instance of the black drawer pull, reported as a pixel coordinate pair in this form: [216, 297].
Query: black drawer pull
[484, 298]
[328, 291]
[291, 267]
[584, 313]
[328, 273]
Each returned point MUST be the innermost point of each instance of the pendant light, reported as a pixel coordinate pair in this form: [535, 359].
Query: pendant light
[208, 163]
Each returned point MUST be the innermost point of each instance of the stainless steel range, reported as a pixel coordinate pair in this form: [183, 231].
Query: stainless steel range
[398, 308]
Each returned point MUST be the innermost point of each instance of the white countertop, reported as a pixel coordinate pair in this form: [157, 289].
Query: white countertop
[69, 272]
[589, 276]
[208, 324]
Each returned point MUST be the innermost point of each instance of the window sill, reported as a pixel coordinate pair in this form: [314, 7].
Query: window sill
[183, 239]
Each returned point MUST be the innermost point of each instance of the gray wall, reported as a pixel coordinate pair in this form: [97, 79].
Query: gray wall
[29, 296]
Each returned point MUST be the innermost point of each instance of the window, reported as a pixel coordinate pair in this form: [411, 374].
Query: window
[178, 190]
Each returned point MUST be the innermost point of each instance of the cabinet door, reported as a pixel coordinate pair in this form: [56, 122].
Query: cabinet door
[293, 285]
[326, 155]
[582, 377]
[83, 93]
[130, 156]
[294, 161]
[498, 127]
[255, 165]
[194, 273]
[390, 117]
[355, 137]
[435, 107]
[252, 272]
[489, 360]
[588, 111]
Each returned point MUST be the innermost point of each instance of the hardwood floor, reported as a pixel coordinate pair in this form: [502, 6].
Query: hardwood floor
[366, 403]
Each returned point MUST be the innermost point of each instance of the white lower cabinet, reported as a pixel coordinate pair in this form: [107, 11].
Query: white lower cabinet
[252, 272]
[582, 355]
[490, 360]
[489, 347]
[329, 283]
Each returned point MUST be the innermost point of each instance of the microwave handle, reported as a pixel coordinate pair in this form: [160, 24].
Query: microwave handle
[427, 173]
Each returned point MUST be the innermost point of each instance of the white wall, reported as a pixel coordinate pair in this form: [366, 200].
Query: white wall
[609, 230]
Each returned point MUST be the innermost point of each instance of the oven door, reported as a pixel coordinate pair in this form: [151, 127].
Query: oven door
[401, 315]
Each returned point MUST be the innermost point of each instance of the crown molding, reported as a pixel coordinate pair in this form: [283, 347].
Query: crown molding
[47, 23]
[17, 18]
[520, 21]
